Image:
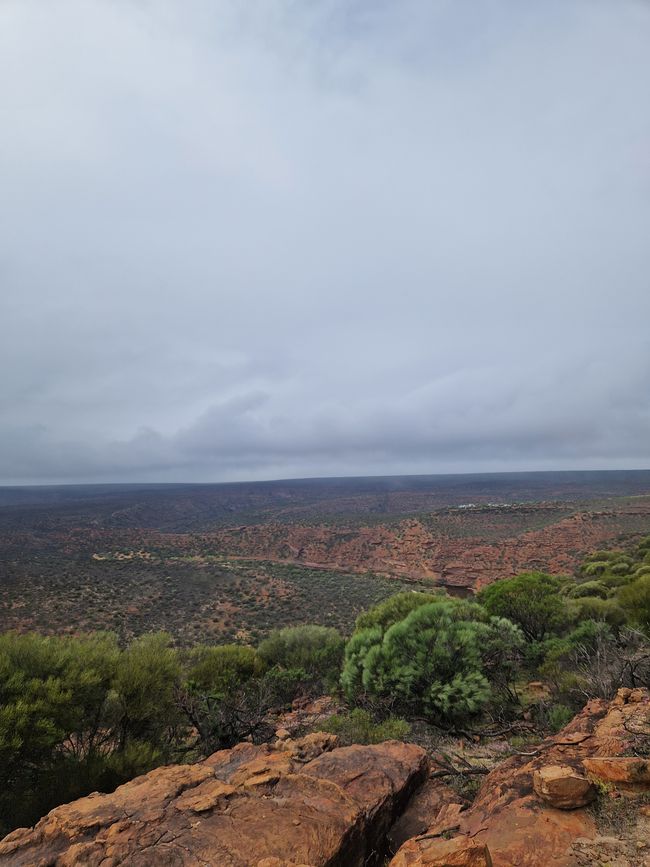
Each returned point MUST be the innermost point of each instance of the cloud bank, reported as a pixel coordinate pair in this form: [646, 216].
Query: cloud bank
[278, 239]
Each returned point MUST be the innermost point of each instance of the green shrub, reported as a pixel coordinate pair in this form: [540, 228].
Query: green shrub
[596, 568]
[589, 588]
[220, 668]
[317, 650]
[594, 608]
[635, 601]
[436, 661]
[530, 600]
[358, 727]
[395, 608]
[559, 716]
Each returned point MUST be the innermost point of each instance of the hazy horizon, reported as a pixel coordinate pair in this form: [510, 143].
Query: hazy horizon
[335, 239]
[250, 481]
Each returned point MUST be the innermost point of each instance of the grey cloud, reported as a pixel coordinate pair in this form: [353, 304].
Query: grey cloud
[271, 239]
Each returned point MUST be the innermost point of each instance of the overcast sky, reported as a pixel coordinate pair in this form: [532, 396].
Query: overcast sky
[246, 239]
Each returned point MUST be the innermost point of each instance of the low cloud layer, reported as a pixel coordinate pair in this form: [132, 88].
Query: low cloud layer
[271, 239]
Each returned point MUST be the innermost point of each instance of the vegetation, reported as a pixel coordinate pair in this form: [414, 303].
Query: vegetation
[530, 600]
[359, 727]
[86, 713]
[436, 661]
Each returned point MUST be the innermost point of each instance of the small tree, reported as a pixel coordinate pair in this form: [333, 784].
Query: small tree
[317, 650]
[635, 601]
[436, 661]
[531, 600]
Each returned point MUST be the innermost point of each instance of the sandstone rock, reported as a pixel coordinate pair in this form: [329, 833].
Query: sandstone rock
[511, 820]
[421, 812]
[457, 852]
[563, 787]
[626, 770]
[312, 745]
[252, 805]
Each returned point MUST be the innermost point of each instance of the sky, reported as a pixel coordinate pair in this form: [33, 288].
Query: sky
[289, 238]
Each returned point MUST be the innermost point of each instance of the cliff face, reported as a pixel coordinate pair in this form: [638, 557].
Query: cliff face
[413, 549]
[310, 803]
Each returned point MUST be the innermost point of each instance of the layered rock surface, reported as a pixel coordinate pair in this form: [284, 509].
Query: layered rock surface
[307, 803]
[510, 823]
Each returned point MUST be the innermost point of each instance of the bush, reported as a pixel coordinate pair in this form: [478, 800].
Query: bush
[395, 608]
[559, 716]
[317, 650]
[148, 674]
[221, 668]
[530, 600]
[593, 608]
[435, 661]
[589, 588]
[78, 715]
[358, 727]
[635, 601]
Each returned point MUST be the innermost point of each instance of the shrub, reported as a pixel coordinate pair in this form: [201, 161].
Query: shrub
[359, 727]
[395, 608]
[635, 601]
[77, 715]
[219, 669]
[596, 568]
[558, 716]
[435, 661]
[530, 600]
[594, 608]
[147, 677]
[589, 588]
[317, 650]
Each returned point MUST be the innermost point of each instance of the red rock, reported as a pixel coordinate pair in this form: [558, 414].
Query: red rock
[246, 806]
[507, 815]
[626, 770]
[457, 852]
[563, 787]
[421, 812]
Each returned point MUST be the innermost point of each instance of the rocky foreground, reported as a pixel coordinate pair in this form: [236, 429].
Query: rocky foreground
[581, 797]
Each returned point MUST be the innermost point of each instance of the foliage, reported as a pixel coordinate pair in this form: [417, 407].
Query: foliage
[589, 588]
[395, 608]
[78, 714]
[530, 600]
[635, 601]
[317, 650]
[359, 727]
[223, 720]
[435, 661]
[558, 716]
[595, 608]
[218, 669]
[147, 674]
[593, 660]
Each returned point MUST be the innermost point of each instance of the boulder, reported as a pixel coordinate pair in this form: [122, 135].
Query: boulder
[251, 805]
[563, 787]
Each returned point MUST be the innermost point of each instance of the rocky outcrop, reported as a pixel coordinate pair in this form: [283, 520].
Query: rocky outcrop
[510, 824]
[309, 803]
